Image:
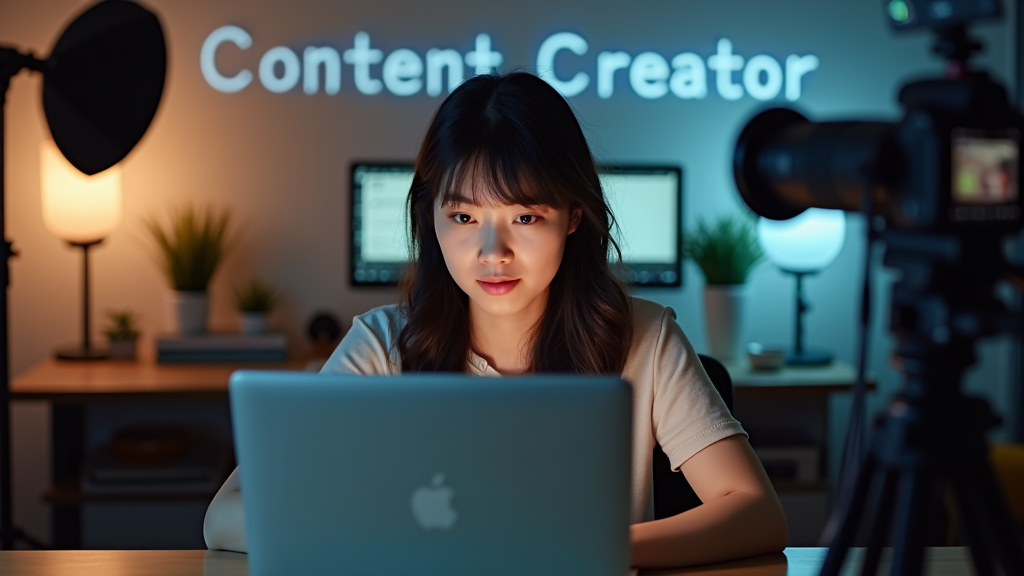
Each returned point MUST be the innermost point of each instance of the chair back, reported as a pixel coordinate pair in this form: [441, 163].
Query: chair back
[672, 493]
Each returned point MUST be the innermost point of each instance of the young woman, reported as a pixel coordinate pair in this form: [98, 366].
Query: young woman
[512, 236]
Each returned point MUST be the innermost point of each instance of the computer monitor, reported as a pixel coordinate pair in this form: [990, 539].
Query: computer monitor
[380, 230]
[646, 202]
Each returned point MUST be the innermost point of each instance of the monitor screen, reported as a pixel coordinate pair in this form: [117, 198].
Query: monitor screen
[646, 202]
[380, 230]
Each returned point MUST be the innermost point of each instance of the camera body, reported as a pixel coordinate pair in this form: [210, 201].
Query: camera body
[950, 165]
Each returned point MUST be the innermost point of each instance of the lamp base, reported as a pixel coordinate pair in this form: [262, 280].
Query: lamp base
[81, 354]
[809, 357]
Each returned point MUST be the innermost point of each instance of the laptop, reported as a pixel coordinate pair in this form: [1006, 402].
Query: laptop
[433, 474]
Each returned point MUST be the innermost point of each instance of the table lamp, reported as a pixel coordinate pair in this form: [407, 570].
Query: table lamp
[81, 210]
[802, 246]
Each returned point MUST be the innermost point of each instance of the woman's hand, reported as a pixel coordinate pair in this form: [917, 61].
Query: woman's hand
[740, 515]
[224, 526]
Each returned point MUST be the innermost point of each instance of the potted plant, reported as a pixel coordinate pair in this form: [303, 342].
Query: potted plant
[254, 301]
[189, 251]
[123, 334]
[726, 251]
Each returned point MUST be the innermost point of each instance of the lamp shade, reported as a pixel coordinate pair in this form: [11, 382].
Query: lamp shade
[806, 243]
[78, 208]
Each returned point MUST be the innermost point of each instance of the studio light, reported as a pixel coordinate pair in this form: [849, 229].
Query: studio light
[102, 83]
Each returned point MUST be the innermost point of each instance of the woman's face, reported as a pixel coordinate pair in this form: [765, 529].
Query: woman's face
[502, 256]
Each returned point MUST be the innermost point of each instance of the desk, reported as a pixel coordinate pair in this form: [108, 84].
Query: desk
[792, 562]
[72, 386]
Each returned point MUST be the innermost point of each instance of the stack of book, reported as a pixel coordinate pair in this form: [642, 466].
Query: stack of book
[201, 469]
[222, 348]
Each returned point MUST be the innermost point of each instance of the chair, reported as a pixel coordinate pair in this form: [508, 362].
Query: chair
[672, 493]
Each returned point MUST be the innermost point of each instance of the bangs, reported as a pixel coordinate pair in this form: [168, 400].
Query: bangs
[494, 177]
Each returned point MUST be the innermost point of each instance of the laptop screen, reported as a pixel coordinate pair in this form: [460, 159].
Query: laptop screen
[646, 202]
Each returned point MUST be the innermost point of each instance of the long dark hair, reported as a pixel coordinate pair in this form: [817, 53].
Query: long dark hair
[520, 136]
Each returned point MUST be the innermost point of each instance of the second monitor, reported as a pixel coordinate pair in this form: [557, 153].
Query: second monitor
[645, 200]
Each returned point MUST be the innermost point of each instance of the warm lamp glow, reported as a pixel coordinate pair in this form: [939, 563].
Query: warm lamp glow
[76, 207]
[807, 243]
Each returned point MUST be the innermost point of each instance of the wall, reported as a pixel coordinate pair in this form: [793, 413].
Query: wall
[280, 161]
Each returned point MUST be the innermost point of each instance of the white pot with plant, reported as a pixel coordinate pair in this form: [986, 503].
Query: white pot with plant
[254, 301]
[190, 250]
[123, 334]
[726, 251]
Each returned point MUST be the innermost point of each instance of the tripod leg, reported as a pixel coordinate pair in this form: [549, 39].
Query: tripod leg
[975, 528]
[879, 519]
[992, 509]
[843, 525]
[915, 492]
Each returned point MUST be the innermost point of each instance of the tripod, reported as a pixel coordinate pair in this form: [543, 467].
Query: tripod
[932, 436]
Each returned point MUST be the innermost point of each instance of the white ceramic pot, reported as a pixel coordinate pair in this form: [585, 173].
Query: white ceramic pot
[254, 323]
[724, 312]
[186, 312]
[123, 348]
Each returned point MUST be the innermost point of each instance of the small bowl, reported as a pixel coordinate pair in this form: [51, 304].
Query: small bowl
[765, 357]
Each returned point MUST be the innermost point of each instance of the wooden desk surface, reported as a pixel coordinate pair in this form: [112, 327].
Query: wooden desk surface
[838, 376]
[793, 562]
[76, 381]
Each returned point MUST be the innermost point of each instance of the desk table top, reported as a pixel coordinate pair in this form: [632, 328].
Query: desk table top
[793, 562]
[62, 380]
[837, 376]
[75, 381]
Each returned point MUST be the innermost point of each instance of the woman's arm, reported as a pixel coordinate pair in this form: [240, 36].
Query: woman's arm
[224, 526]
[741, 515]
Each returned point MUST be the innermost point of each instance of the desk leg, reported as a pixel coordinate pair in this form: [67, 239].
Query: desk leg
[68, 445]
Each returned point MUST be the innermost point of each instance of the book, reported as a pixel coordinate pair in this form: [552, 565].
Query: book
[222, 348]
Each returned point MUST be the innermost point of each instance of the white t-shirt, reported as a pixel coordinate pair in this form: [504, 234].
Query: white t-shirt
[674, 403]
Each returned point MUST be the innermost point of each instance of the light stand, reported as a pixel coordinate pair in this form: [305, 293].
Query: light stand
[801, 356]
[102, 84]
[11, 62]
[86, 351]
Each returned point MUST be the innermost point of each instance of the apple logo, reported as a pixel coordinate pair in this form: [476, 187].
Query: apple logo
[432, 505]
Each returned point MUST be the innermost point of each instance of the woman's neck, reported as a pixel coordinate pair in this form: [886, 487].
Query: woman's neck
[504, 340]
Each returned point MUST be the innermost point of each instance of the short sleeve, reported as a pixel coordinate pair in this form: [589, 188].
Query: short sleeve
[367, 349]
[688, 412]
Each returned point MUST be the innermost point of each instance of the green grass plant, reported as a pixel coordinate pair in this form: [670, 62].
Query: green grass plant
[123, 325]
[725, 250]
[255, 296]
[192, 247]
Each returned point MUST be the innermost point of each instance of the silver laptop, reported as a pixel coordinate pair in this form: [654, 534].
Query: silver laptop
[433, 474]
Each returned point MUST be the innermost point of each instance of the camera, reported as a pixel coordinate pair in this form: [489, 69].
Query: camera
[941, 189]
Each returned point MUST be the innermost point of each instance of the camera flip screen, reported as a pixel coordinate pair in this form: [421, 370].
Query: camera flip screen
[985, 167]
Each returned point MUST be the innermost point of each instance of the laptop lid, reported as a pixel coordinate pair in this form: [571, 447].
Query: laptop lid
[433, 474]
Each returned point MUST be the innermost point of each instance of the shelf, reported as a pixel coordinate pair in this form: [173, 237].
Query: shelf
[69, 492]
